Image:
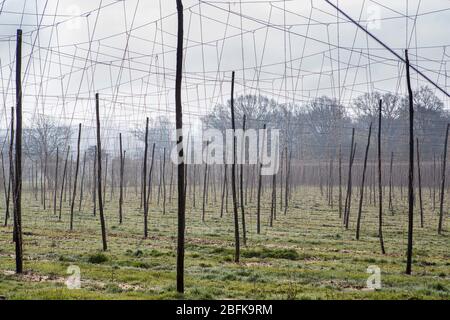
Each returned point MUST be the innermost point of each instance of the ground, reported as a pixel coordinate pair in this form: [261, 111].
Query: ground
[307, 254]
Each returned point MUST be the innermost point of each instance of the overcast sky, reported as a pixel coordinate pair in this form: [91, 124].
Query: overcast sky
[288, 50]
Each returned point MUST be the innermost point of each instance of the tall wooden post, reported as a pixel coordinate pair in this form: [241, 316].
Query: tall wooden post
[340, 181]
[56, 181]
[63, 182]
[179, 127]
[380, 189]
[6, 191]
[164, 180]
[144, 183]
[391, 205]
[69, 181]
[348, 198]
[82, 181]
[44, 181]
[281, 180]
[205, 184]
[224, 187]
[99, 174]
[444, 162]
[18, 163]
[233, 178]
[288, 173]
[105, 180]
[120, 181]
[419, 181]
[411, 170]
[331, 182]
[241, 182]
[258, 204]
[11, 169]
[194, 182]
[94, 185]
[434, 182]
[150, 174]
[273, 207]
[72, 206]
[111, 190]
[358, 223]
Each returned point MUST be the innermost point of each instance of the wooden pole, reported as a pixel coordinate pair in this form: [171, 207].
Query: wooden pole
[63, 182]
[205, 181]
[419, 180]
[340, 181]
[358, 223]
[444, 162]
[105, 180]
[288, 173]
[11, 168]
[380, 190]
[69, 181]
[111, 193]
[281, 180]
[241, 181]
[411, 171]
[349, 181]
[351, 188]
[99, 174]
[186, 167]
[233, 178]
[72, 206]
[94, 185]
[56, 181]
[194, 182]
[82, 181]
[434, 182]
[144, 179]
[258, 203]
[179, 127]
[123, 173]
[160, 178]
[164, 180]
[44, 181]
[6, 192]
[273, 207]
[121, 181]
[391, 206]
[171, 183]
[150, 174]
[331, 183]
[18, 163]
[224, 186]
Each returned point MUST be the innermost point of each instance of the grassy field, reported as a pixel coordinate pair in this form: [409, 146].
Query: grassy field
[307, 254]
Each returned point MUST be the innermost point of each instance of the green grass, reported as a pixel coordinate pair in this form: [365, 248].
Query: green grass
[307, 254]
[264, 253]
[97, 258]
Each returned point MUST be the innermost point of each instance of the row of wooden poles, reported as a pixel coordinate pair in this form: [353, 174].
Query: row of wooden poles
[16, 172]
[99, 188]
[211, 181]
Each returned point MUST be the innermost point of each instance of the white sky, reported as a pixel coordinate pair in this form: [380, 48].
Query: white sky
[287, 50]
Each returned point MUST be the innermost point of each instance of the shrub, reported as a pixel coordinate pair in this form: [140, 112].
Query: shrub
[97, 258]
[140, 265]
[288, 254]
